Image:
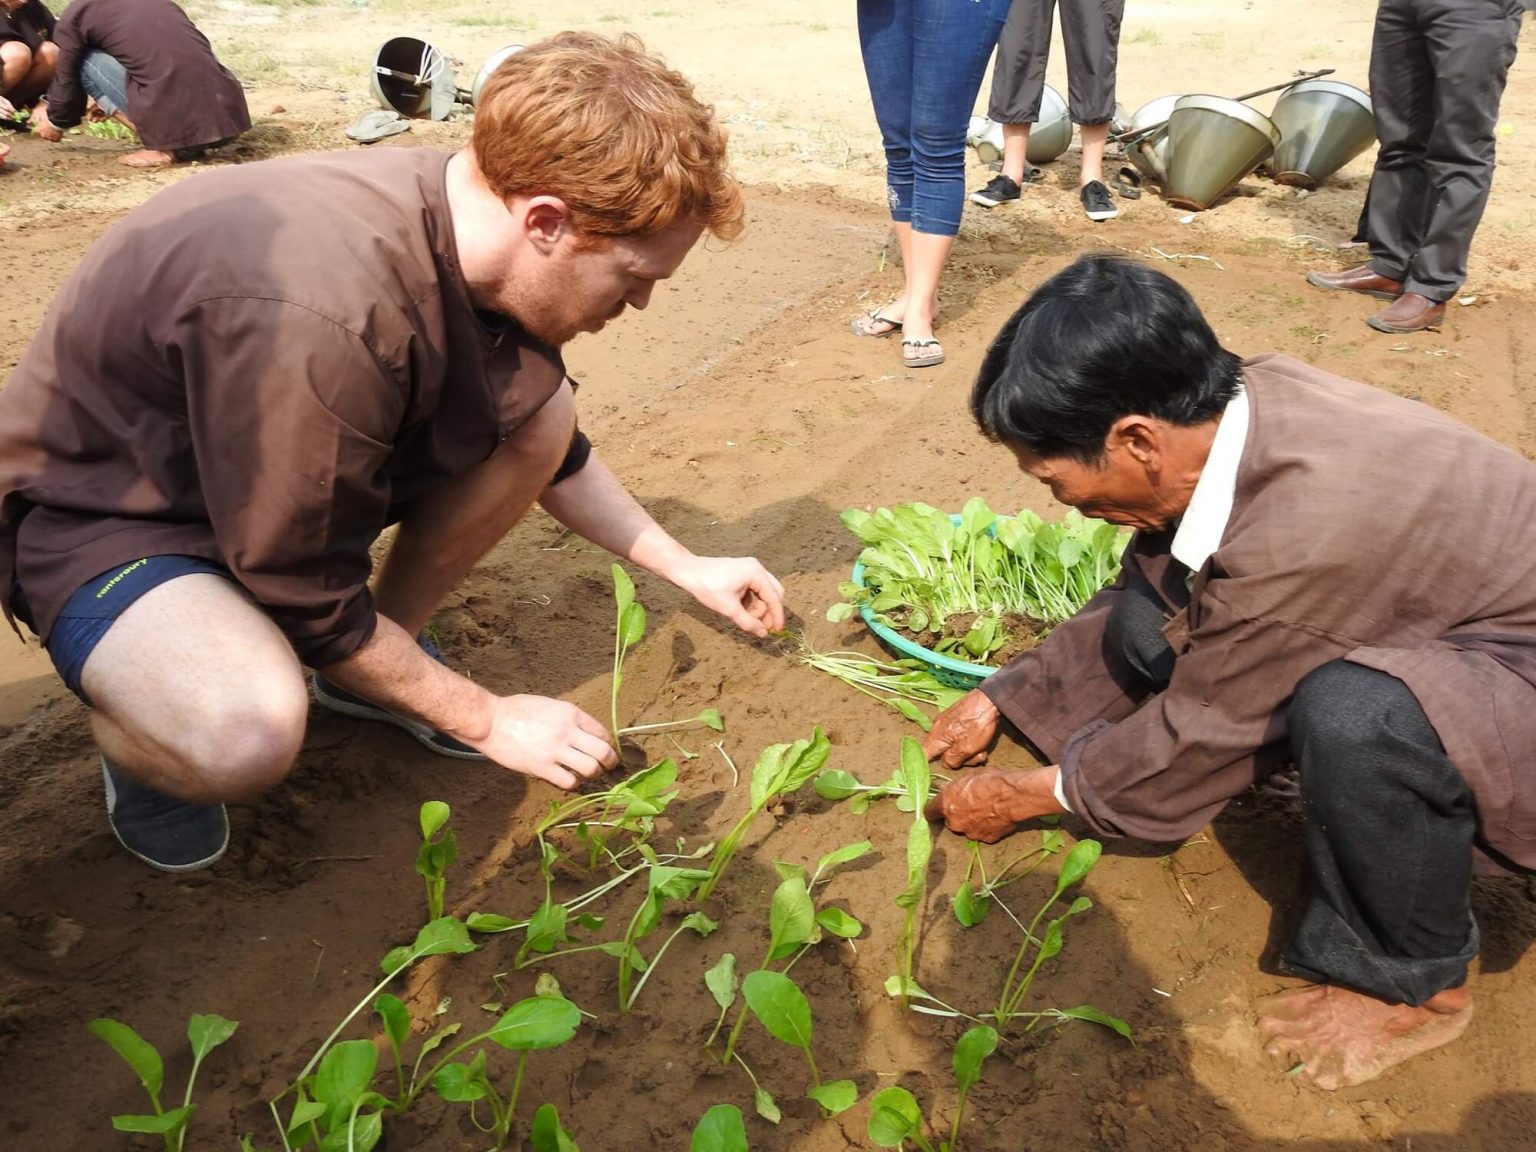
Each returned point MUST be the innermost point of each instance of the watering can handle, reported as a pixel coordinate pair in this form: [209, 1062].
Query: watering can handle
[1300, 77]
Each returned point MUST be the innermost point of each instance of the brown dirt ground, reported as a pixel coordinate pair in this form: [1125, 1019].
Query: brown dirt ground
[745, 416]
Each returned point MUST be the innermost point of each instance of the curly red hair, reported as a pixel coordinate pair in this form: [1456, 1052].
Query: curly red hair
[610, 130]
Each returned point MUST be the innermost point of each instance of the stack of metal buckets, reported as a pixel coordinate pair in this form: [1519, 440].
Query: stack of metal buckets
[1199, 147]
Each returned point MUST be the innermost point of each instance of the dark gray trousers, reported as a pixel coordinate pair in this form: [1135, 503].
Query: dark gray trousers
[1438, 69]
[1388, 824]
[1090, 32]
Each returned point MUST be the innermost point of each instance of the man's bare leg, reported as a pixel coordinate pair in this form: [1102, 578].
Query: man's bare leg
[34, 79]
[446, 532]
[196, 693]
[1341, 1037]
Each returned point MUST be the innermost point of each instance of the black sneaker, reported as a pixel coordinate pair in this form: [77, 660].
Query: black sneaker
[168, 834]
[1000, 190]
[1097, 202]
[328, 695]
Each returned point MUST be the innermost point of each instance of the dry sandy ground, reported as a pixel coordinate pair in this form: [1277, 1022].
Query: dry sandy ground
[746, 417]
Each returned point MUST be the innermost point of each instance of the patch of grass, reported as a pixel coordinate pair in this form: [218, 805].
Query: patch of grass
[1145, 36]
[476, 21]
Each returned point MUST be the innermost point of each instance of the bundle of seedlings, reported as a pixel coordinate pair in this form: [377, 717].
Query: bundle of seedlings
[979, 587]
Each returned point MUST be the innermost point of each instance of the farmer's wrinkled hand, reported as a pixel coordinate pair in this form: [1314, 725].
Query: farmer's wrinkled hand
[964, 731]
[990, 806]
[738, 588]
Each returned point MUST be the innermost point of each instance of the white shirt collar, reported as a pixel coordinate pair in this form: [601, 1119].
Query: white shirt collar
[1204, 522]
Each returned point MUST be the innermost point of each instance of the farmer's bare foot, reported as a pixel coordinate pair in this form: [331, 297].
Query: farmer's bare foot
[147, 158]
[1341, 1037]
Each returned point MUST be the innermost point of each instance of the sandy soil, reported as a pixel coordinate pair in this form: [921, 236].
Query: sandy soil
[745, 416]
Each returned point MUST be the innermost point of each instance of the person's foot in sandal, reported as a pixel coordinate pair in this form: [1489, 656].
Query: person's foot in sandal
[923, 353]
[886, 320]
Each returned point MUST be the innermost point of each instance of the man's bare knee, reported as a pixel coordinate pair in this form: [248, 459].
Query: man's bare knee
[242, 750]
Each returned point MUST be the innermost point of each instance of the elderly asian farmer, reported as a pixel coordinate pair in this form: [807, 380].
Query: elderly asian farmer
[254, 373]
[1321, 572]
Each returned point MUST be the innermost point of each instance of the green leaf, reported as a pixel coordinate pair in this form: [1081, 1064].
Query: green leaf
[971, 1052]
[459, 1083]
[434, 814]
[788, 871]
[649, 783]
[1094, 1016]
[632, 625]
[840, 612]
[207, 1032]
[343, 1076]
[721, 980]
[489, 922]
[844, 855]
[711, 717]
[171, 1121]
[535, 1023]
[546, 928]
[782, 768]
[912, 712]
[1051, 943]
[441, 936]
[1079, 862]
[547, 1135]
[137, 1053]
[700, 923]
[720, 1130]
[970, 909]
[791, 918]
[777, 1001]
[835, 784]
[305, 1111]
[839, 923]
[397, 1021]
[623, 589]
[835, 1095]
[437, 1039]
[364, 1134]
[894, 1116]
[767, 1107]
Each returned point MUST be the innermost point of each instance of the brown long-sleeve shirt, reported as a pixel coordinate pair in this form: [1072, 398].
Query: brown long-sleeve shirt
[1364, 527]
[179, 95]
[32, 23]
[259, 365]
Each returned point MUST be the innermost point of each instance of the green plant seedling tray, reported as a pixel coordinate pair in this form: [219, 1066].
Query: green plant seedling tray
[946, 669]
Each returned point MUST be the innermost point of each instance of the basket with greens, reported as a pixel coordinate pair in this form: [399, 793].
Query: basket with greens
[967, 593]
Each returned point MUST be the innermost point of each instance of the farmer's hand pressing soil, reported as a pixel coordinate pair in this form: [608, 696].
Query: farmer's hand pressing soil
[963, 732]
[990, 806]
[549, 739]
[738, 588]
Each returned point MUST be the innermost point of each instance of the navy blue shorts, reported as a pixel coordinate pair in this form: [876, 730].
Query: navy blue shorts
[98, 603]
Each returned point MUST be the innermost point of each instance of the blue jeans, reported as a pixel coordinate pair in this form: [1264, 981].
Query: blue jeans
[105, 80]
[924, 60]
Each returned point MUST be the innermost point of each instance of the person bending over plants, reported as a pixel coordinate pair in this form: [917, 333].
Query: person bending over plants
[147, 66]
[1321, 572]
[254, 373]
[28, 55]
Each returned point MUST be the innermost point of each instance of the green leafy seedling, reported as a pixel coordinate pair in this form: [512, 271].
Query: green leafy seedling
[971, 1052]
[437, 851]
[720, 1130]
[782, 1008]
[895, 1118]
[780, 770]
[914, 767]
[205, 1032]
[835, 784]
[972, 901]
[546, 1134]
[629, 627]
[708, 718]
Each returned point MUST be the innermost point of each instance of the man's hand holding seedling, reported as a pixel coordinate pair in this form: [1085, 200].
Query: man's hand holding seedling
[985, 806]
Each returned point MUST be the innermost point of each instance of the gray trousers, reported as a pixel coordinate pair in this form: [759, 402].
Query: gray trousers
[1090, 31]
[1438, 69]
[1389, 823]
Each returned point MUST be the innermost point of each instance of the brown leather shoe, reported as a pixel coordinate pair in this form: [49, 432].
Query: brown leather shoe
[1362, 278]
[1410, 312]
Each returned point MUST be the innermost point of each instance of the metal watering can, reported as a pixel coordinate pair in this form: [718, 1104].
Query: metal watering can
[416, 79]
[1323, 126]
[1048, 137]
[1213, 143]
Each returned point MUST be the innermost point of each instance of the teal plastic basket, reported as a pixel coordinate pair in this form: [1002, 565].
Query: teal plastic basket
[946, 669]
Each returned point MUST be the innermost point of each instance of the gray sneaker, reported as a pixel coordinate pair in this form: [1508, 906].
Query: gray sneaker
[168, 834]
[338, 699]
[1098, 204]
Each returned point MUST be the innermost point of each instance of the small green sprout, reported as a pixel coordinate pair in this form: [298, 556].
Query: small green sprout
[782, 1008]
[205, 1032]
[437, 851]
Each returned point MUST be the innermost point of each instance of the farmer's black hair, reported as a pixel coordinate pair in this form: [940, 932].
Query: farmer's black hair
[1104, 338]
